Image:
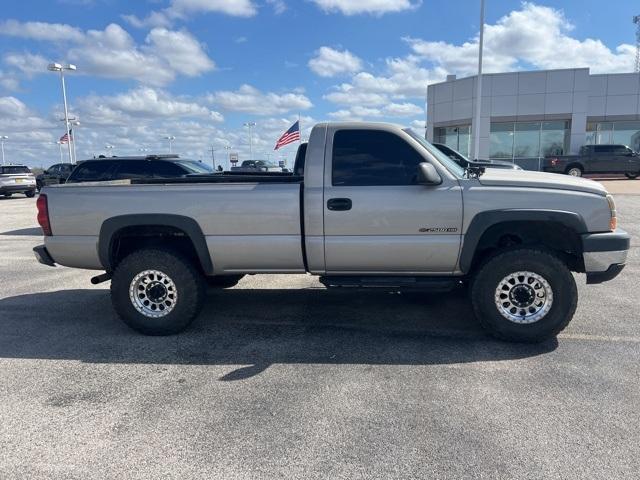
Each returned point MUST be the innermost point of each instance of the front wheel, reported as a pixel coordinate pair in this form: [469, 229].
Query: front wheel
[157, 292]
[632, 176]
[524, 295]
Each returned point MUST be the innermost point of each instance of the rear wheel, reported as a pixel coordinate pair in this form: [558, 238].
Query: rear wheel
[157, 292]
[30, 193]
[574, 171]
[524, 295]
[632, 176]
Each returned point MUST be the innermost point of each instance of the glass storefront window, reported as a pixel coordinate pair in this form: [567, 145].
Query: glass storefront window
[511, 140]
[457, 137]
[501, 140]
[619, 133]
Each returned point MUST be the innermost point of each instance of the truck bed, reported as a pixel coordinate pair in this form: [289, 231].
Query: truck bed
[247, 224]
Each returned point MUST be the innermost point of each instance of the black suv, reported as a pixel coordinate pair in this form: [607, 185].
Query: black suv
[131, 168]
[54, 175]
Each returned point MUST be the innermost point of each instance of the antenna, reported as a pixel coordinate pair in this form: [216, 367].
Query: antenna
[636, 20]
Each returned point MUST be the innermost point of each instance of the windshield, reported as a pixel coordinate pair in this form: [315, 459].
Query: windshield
[449, 164]
[195, 167]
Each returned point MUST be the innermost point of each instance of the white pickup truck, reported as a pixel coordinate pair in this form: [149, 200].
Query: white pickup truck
[368, 205]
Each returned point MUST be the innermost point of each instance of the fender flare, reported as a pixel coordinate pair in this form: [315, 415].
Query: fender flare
[188, 225]
[485, 220]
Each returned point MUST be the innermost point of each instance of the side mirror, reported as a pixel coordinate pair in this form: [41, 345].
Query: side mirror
[428, 175]
[45, 172]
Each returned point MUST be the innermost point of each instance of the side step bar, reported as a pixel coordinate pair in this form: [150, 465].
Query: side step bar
[432, 284]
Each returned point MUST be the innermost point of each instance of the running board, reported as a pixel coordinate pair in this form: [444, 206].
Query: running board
[433, 284]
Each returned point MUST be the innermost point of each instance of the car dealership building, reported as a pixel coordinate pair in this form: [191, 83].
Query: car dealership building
[526, 116]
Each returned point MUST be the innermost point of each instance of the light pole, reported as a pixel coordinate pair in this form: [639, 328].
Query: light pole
[213, 157]
[171, 138]
[476, 122]
[57, 67]
[250, 126]
[2, 139]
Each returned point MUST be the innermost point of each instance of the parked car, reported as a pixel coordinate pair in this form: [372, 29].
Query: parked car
[464, 162]
[596, 159]
[257, 166]
[376, 206]
[54, 175]
[17, 179]
[125, 168]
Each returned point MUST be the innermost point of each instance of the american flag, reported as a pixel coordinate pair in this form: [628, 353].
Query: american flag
[65, 138]
[290, 136]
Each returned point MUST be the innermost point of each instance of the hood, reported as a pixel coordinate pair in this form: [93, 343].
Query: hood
[526, 178]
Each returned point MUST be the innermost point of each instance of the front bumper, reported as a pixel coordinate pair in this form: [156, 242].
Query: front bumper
[42, 255]
[605, 254]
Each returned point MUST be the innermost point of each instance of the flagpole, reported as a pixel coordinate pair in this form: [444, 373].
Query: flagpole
[300, 128]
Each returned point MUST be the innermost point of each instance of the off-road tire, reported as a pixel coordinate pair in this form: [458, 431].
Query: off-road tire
[224, 281]
[543, 263]
[189, 283]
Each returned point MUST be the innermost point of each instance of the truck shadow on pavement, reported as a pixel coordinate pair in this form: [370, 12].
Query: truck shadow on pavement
[251, 329]
[24, 232]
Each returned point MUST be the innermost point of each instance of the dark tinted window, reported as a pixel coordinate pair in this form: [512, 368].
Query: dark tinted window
[92, 172]
[369, 157]
[621, 149]
[603, 149]
[163, 169]
[14, 169]
[66, 168]
[130, 169]
[54, 169]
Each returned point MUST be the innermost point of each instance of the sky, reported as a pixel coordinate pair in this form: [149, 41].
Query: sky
[199, 69]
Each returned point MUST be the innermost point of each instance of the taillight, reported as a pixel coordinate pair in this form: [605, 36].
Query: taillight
[43, 214]
[554, 161]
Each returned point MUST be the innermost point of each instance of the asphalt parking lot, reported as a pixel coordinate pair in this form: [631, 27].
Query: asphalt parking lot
[279, 378]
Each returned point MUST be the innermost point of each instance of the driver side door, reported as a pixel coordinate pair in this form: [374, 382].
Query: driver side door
[377, 218]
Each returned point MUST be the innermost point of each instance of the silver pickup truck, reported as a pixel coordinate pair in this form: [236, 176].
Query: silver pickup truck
[367, 205]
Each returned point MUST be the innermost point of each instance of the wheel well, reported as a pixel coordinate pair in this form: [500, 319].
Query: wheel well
[572, 165]
[552, 236]
[129, 239]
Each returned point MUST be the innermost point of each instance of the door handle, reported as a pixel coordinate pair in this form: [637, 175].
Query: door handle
[339, 204]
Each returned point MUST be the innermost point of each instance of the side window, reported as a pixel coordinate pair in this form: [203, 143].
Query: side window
[602, 149]
[163, 169]
[54, 170]
[621, 150]
[373, 158]
[92, 172]
[132, 169]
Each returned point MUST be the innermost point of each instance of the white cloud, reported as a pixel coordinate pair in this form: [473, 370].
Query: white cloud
[534, 35]
[376, 7]
[113, 53]
[248, 99]
[403, 110]
[182, 9]
[141, 103]
[28, 63]
[181, 51]
[54, 32]
[329, 62]
[16, 117]
[278, 6]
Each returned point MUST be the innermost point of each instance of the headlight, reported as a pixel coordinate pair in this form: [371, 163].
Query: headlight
[613, 223]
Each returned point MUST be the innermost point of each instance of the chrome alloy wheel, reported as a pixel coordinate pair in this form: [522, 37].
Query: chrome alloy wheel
[523, 297]
[153, 293]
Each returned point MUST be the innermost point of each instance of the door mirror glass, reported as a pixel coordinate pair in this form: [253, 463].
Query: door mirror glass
[428, 175]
